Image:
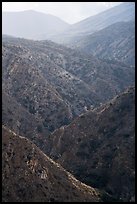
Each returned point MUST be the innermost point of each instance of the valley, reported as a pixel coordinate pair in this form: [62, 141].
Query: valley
[68, 107]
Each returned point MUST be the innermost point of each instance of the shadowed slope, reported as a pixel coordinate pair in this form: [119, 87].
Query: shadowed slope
[98, 147]
[30, 176]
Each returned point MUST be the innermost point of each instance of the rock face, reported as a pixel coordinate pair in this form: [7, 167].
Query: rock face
[28, 175]
[98, 147]
[115, 42]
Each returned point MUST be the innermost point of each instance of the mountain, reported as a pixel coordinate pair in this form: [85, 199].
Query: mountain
[75, 105]
[123, 12]
[35, 25]
[115, 42]
[28, 175]
[31, 24]
[99, 147]
[54, 83]
[22, 79]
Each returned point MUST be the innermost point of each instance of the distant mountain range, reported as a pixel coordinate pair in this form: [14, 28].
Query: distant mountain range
[115, 42]
[35, 25]
[109, 35]
[31, 24]
[122, 13]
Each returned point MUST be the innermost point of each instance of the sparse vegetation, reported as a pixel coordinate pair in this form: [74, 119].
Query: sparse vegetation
[67, 103]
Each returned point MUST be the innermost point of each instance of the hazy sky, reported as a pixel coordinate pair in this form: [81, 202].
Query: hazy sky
[70, 12]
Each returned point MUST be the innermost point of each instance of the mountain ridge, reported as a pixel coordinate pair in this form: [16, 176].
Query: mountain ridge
[115, 42]
[68, 111]
[36, 25]
[38, 178]
[66, 74]
[123, 12]
[98, 147]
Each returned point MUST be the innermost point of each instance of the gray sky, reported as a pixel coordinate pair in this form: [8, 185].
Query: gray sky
[70, 12]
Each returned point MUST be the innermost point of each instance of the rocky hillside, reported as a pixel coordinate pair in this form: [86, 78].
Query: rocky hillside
[22, 79]
[116, 42]
[31, 24]
[28, 175]
[98, 147]
[46, 85]
[73, 77]
[18, 119]
[75, 104]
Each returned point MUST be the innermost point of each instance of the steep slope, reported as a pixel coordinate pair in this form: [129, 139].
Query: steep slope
[19, 120]
[78, 78]
[31, 24]
[48, 61]
[123, 12]
[47, 81]
[53, 84]
[28, 175]
[23, 81]
[116, 42]
[98, 147]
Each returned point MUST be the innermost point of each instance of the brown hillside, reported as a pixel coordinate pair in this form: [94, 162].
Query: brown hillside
[28, 175]
[98, 147]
